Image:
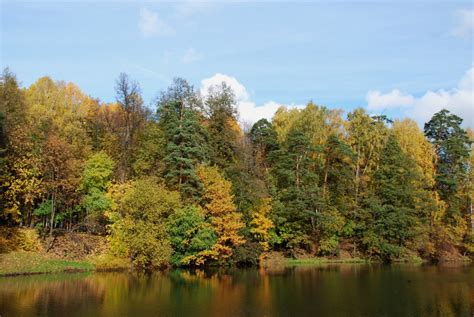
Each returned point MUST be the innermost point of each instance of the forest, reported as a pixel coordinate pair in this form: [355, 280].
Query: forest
[181, 182]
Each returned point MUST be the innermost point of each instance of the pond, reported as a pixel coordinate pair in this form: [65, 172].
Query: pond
[330, 290]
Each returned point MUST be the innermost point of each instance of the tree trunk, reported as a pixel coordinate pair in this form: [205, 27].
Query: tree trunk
[52, 213]
[357, 174]
[472, 216]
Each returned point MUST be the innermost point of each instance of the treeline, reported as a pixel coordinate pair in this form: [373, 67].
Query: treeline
[182, 182]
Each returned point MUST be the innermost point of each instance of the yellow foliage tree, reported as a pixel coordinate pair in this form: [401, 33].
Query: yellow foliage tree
[318, 122]
[217, 202]
[24, 188]
[412, 141]
[260, 225]
[137, 215]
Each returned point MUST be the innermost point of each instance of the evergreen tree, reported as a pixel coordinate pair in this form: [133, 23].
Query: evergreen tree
[190, 235]
[297, 203]
[452, 147]
[222, 125]
[392, 217]
[264, 142]
[338, 182]
[186, 140]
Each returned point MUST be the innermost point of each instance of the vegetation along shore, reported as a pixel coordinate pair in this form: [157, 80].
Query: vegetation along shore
[87, 185]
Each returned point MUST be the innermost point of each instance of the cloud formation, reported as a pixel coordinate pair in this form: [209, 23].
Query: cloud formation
[150, 24]
[459, 100]
[249, 112]
[465, 24]
[377, 101]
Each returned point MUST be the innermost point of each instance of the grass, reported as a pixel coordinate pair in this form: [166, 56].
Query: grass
[318, 261]
[20, 262]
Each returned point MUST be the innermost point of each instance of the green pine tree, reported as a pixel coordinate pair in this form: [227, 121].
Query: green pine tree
[392, 220]
[452, 148]
[297, 203]
[186, 139]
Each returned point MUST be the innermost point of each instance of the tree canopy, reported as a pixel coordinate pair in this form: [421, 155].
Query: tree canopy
[181, 182]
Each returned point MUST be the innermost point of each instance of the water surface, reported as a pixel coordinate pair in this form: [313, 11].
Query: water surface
[332, 290]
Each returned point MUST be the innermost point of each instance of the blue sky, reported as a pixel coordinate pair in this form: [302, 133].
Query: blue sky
[398, 57]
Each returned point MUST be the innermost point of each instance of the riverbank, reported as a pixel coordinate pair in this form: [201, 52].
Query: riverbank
[23, 263]
[29, 263]
[278, 259]
[23, 252]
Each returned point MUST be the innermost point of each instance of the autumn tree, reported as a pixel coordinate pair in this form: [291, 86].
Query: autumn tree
[261, 224]
[366, 136]
[20, 177]
[13, 107]
[23, 189]
[60, 170]
[412, 141]
[316, 122]
[217, 203]
[191, 185]
[150, 152]
[138, 215]
[134, 116]
[96, 176]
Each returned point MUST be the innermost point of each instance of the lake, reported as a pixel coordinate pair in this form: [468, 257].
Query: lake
[329, 290]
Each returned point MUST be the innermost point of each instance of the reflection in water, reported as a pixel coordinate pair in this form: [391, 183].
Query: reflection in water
[332, 290]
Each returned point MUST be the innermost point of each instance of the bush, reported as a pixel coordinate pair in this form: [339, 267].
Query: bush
[108, 261]
[329, 246]
[190, 235]
[138, 215]
[29, 240]
[247, 254]
[15, 239]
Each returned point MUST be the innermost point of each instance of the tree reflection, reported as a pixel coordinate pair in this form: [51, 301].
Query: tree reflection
[367, 290]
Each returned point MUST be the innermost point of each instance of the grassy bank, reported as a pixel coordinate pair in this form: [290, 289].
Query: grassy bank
[22, 251]
[20, 262]
[23, 263]
[316, 261]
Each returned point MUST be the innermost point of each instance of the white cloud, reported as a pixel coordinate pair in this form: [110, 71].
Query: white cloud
[239, 89]
[459, 100]
[376, 100]
[191, 56]
[249, 112]
[150, 24]
[465, 23]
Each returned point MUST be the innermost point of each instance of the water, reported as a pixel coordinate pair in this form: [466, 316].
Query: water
[333, 290]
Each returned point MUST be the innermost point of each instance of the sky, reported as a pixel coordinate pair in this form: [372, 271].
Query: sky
[399, 58]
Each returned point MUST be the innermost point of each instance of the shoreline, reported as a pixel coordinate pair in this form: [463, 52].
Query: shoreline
[39, 264]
